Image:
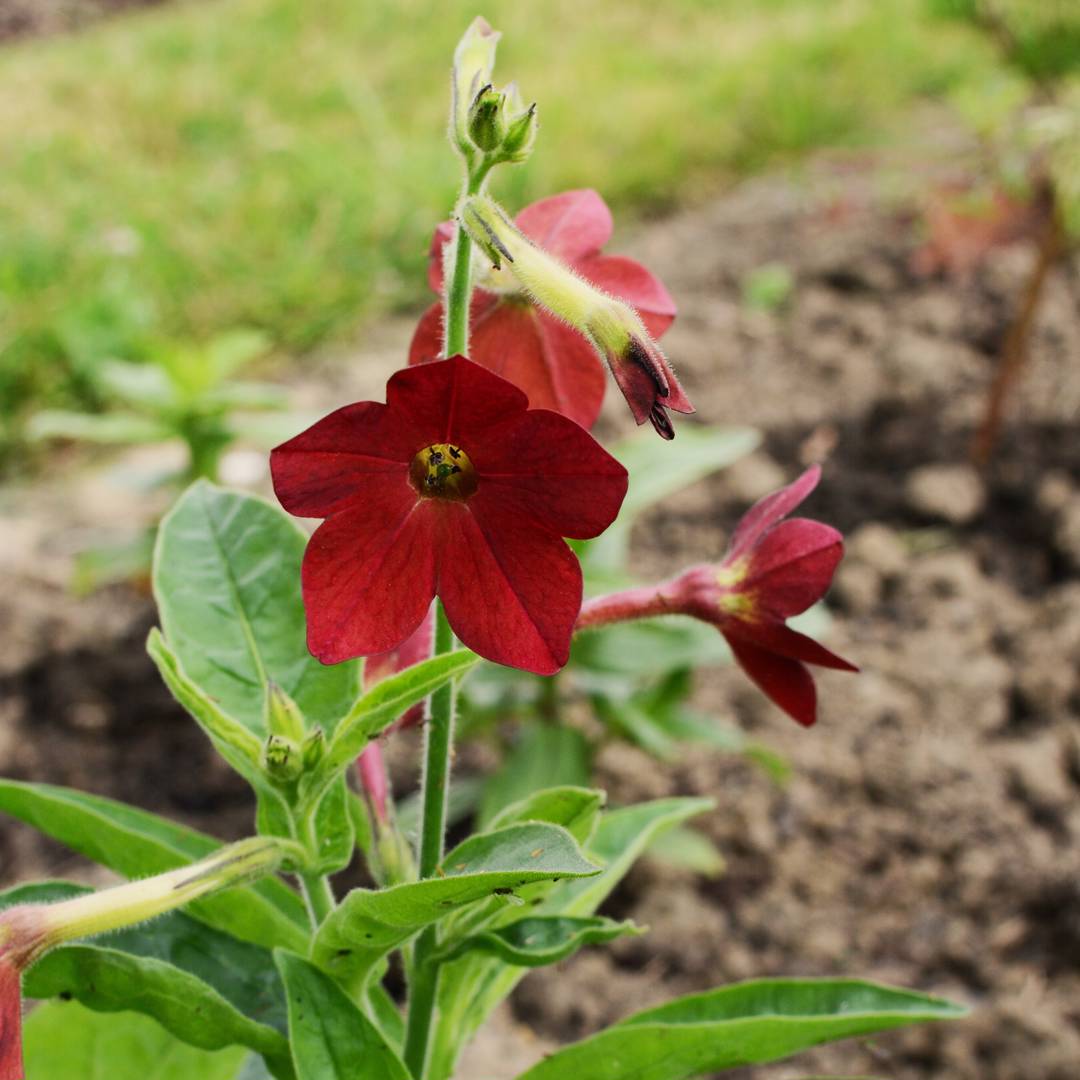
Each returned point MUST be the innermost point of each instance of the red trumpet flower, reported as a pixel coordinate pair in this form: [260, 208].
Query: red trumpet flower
[453, 488]
[555, 364]
[773, 569]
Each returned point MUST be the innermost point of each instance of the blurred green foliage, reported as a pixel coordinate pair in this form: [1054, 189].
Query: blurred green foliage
[280, 164]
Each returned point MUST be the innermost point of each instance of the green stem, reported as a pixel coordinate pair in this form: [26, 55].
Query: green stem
[424, 973]
[459, 287]
[318, 896]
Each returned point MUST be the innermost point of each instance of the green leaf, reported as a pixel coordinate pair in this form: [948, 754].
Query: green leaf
[535, 942]
[545, 756]
[205, 987]
[697, 452]
[62, 1040]
[745, 1024]
[388, 699]
[331, 1038]
[107, 428]
[146, 386]
[576, 809]
[689, 849]
[227, 582]
[136, 844]
[367, 925]
[650, 647]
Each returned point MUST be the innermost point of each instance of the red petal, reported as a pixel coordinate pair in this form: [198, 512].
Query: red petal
[371, 770]
[452, 400]
[768, 511]
[444, 233]
[630, 281]
[792, 566]
[511, 592]
[782, 640]
[571, 225]
[646, 380]
[368, 578]
[11, 1058]
[547, 470]
[360, 452]
[785, 681]
[427, 339]
[417, 647]
[555, 366]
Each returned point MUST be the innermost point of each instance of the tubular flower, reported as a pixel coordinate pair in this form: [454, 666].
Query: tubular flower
[773, 569]
[515, 331]
[453, 488]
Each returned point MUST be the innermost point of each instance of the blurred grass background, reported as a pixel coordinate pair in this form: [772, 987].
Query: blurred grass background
[280, 164]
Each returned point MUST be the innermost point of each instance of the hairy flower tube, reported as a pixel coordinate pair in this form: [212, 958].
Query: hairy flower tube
[525, 342]
[453, 488]
[773, 569]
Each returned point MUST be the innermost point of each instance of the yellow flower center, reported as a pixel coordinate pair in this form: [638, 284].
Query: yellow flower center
[443, 471]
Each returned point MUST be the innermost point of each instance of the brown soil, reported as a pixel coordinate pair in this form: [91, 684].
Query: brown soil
[931, 834]
[27, 18]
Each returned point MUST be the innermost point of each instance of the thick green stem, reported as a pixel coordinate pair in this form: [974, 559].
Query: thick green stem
[424, 973]
[459, 284]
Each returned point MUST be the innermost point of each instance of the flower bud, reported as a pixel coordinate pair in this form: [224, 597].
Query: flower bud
[487, 119]
[282, 759]
[615, 330]
[283, 714]
[520, 135]
[313, 748]
[474, 60]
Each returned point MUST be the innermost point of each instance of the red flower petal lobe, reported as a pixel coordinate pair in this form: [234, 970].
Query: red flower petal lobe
[452, 400]
[511, 592]
[792, 565]
[444, 233]
[768, 511]
[551, 473]
[630, 281]
[777, 638]
[786, 682]
[368, 578]
[570, 225]
[358, 453]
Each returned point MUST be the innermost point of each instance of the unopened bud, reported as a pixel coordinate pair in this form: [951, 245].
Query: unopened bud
[313, 748]
[487, 119]
[282, 759]
[474, 60]
[520, 135]
[283, 714]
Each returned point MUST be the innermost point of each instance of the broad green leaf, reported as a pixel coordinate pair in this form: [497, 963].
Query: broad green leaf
[655, 474]
[745, 1024]
[535, 942]
[689, 849]
[470, 988]
[545, 756]
[227, 583]
[107, 428]
[387, 700]
[367, 925]
[63, 1040]
[146, 386]
[576, 809]
[126, 559]
[331, 1038]
[386, 1015]
[649, 647]
[136, 844]
[634, 722]
[203, 986]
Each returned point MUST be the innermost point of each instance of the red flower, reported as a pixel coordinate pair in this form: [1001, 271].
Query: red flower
[773, 569]
[552, 362]
[453, 488]
[11, 1059]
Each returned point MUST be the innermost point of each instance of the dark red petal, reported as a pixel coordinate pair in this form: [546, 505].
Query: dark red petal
[11, 1057]
[782, 640]
[444, 233]
[427, 340]
[571, 225]
[360, 452]
[415, 648]
[452, 400]
[648, 383]
[785, 681]
[630, 281]
[792, 566]
[555, 367]
[368, 579]
[547, 470]
[768, 511]
[511, 592]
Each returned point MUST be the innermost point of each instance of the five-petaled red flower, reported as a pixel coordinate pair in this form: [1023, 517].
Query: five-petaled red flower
[453, 488]
[552, 362]
[773, 569]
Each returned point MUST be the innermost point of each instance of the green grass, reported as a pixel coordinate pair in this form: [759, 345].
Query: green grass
[281, 163]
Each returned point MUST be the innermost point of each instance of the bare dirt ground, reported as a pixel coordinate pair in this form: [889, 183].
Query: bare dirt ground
[931, 833]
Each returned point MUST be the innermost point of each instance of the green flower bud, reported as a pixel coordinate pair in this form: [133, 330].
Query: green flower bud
[520, 135]
[474, 60]
[313, 748]
[487, 119]
[283, 714]
[282, 759]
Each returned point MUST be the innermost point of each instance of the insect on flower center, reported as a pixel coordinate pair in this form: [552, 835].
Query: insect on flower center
[443, 471]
